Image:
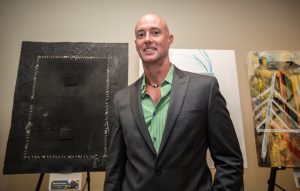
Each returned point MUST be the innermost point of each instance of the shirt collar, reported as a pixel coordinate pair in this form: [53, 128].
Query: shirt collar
[168, 80]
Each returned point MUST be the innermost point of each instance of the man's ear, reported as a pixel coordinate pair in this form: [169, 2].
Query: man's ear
[171, 39]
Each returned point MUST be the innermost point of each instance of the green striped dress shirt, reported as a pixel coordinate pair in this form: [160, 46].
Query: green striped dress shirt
[156, 115]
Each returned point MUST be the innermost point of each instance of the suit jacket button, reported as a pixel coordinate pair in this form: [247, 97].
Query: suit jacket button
[158, 172]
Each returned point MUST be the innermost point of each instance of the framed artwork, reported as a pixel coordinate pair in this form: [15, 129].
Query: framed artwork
[274, 84]
[62, 112]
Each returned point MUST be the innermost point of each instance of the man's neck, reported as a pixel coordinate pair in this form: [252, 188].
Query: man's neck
[156, 72]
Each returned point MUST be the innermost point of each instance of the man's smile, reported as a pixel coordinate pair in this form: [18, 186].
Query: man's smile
[149, 49]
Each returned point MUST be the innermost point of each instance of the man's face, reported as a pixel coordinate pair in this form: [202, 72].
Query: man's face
[152, 39]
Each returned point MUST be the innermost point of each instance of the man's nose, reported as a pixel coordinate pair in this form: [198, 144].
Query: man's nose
[148, 38]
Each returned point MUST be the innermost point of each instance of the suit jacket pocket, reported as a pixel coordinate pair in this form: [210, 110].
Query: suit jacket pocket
[191, 113]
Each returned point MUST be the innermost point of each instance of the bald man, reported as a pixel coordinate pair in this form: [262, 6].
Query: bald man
[164, 123]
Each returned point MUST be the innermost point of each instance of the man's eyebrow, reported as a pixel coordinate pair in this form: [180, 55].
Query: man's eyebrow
[155, 28]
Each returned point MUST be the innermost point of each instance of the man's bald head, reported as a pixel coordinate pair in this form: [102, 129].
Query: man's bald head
[152, 18]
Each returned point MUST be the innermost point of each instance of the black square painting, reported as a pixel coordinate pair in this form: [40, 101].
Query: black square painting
[62, 106]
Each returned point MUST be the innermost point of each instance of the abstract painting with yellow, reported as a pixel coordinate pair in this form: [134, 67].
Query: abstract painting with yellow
[274, 85]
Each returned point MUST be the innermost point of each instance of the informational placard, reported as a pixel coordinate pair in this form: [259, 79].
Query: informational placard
[65, 181]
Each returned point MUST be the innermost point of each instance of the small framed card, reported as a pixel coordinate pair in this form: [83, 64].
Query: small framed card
[64, 181]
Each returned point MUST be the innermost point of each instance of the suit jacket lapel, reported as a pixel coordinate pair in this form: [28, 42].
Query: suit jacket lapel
[138, 114]
[178, 91]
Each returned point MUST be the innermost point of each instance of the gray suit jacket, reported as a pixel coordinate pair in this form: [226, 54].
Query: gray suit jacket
[197, 120]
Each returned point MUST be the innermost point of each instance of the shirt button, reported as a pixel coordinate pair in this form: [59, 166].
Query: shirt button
[154, 139]
[158, 172]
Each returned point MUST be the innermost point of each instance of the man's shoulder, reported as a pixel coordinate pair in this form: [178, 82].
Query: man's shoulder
[195, 76]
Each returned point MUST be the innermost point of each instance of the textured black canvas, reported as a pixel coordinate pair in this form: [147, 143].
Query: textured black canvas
[62, 106]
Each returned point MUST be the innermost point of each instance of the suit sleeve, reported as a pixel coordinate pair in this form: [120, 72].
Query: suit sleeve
[115, 168]
[223, 143]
